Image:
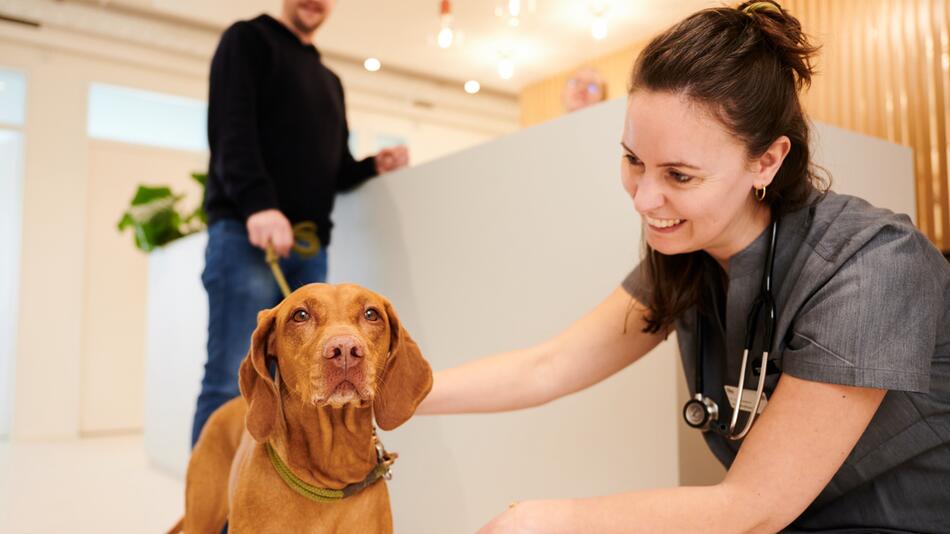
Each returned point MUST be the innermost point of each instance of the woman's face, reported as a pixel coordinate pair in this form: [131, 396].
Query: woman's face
[690, 179]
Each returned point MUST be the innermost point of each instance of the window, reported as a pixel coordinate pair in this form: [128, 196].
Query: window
[12, 117]
[147, 118]
[12, 97]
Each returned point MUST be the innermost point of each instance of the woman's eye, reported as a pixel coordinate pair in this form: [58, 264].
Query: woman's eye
[632, 160]
[680, 177]
[371, 314]
[301, 316]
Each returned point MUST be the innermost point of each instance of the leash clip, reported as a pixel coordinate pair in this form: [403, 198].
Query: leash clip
[384, 458]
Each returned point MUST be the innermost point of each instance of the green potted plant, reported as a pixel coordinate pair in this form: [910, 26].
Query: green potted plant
[155, 220]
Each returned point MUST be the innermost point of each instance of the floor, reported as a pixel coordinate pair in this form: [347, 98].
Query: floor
[94, 485]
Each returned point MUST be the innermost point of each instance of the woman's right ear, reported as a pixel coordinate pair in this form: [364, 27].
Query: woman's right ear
[257, 387]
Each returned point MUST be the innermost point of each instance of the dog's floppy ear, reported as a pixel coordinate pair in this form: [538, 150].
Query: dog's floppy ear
[405, 381]
[255, 381]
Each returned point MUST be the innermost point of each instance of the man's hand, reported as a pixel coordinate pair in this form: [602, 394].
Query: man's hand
[390, 159]
[271, 227]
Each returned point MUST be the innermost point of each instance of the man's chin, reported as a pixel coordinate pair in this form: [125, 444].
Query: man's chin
[309, 23]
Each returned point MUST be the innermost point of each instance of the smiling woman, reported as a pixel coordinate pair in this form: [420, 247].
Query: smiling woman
[747, 252]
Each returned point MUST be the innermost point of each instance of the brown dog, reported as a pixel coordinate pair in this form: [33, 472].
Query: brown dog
[341, 357]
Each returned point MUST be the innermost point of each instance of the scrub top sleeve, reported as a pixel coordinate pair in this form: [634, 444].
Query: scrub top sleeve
[637, 285]
[875, 321]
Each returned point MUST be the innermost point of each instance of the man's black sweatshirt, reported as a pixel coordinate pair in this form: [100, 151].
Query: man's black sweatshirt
[276, 128]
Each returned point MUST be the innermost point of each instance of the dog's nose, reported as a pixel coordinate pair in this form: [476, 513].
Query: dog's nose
[345, 351]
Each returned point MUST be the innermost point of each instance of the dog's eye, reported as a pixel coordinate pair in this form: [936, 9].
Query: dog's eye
[371, 314]
[301, 316]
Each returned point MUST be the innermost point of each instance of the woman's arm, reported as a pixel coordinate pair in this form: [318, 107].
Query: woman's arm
[590, 350]
[795, 447]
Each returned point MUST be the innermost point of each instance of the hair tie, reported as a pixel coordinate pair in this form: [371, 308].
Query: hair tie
[761, 6]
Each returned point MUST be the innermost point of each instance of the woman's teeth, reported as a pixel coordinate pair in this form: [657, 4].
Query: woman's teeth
[663, 223]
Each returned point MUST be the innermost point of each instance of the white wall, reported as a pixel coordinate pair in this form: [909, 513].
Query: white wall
[876, 170]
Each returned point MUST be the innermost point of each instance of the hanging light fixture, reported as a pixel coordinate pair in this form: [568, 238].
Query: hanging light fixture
[506, 67]
[446, 34]
[512, 10]
[598, 27]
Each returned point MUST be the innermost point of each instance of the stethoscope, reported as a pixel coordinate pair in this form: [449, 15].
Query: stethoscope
[701, 412]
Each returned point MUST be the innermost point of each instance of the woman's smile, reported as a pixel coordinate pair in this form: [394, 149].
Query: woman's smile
[663, 225]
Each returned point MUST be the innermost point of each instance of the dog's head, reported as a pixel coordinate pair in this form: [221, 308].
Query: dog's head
[334, 346]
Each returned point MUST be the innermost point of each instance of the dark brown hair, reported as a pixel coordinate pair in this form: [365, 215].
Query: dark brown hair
[745, 65]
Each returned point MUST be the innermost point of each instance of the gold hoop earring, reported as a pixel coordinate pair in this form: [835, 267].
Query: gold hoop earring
[760, 193]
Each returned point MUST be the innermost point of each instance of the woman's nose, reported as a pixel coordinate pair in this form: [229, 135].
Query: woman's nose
[647, 195]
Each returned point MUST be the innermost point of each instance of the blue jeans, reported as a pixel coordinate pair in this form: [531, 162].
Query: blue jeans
[239, 283]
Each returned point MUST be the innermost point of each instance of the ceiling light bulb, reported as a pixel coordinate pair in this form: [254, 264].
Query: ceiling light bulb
[372, 64]
[514, 8]
[446, 35]
[598, 28]
[506, 69]
[472, 87]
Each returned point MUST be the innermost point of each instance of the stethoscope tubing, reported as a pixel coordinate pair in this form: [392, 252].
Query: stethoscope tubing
[763, 300]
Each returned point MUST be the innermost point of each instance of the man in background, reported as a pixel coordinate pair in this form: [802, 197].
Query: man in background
[279, 155]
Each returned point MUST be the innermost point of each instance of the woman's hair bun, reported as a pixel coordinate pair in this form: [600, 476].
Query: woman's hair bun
[784, 33]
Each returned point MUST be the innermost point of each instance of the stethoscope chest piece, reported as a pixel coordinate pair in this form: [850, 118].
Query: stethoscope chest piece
[700, 412]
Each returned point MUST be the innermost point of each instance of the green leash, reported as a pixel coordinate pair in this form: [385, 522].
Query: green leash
[306, 243]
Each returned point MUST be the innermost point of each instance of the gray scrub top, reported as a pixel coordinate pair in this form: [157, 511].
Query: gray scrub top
[862, 299]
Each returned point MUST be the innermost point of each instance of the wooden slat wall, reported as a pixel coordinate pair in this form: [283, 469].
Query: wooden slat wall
[884, 70]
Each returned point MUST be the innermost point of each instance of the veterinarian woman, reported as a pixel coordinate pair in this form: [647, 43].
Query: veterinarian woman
[855, 432]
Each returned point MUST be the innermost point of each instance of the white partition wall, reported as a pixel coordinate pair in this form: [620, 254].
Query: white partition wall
[874, 169]
[497, 247]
